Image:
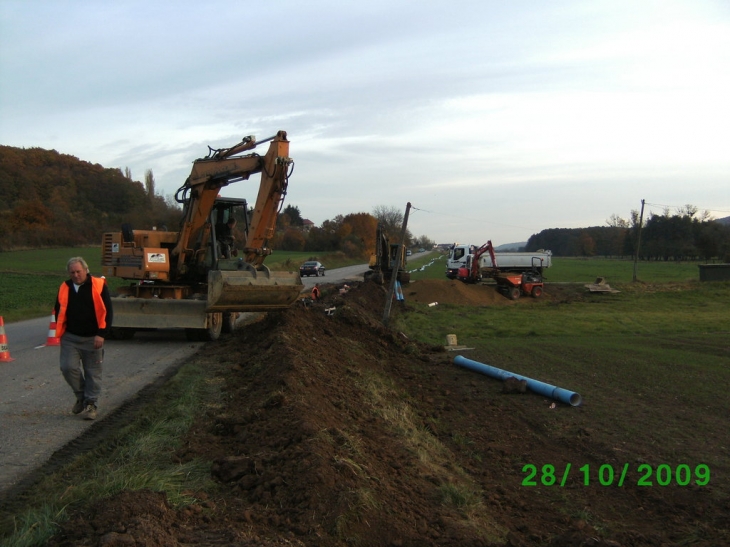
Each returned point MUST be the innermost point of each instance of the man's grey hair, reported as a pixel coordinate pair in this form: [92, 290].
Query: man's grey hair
[76, 259]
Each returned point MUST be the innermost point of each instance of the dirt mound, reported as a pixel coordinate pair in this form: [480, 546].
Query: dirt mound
[454, 292]
[334, 431]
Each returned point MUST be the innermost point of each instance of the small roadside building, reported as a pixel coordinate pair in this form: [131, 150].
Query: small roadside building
[714, 272]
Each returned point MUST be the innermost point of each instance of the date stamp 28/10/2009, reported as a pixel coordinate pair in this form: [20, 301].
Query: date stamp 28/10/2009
[605, 475]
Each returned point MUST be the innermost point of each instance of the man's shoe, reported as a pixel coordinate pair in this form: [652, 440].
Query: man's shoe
[78, 407]
[90, 412]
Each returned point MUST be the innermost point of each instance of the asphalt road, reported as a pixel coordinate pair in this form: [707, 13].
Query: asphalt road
[339, 275]
[35, 401]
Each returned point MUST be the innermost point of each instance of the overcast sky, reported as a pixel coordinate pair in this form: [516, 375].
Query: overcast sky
[494, 119]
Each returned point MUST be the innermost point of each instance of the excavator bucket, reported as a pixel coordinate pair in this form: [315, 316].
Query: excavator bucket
[252, 290]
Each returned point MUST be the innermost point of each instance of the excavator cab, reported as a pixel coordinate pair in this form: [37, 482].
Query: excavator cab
[234, 283]
[228, 220]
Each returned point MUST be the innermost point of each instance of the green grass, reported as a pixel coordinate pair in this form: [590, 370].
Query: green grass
[431, 266]
[650, 363]
[581, 270]
[620, 271]
[28, 295]
[659, 396]
[637, 310]
[30, 279]
[53, 261]
[48, 261]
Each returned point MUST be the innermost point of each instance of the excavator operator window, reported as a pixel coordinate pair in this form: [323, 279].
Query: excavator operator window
[127, 233]
[225, 227]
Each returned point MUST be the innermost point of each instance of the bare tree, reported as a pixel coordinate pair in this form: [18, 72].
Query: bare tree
[149, 183]
[616, 221]
[705, 216]
[688, 210]
[127, 173]
[391, 218]
[424, 242]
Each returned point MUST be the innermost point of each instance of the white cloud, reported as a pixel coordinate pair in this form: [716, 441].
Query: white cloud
[500, 119]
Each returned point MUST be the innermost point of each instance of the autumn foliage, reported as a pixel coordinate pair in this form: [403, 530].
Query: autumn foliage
[50, 199]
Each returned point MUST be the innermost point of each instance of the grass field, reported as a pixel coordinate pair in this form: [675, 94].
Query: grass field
[582, 270]
[651, 363]
[665, 309]
[30, 279]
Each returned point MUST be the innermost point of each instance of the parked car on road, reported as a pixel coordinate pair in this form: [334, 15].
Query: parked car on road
[311, 268]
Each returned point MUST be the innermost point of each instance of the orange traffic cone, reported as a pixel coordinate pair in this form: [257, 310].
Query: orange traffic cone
[4, 350]
[52, 339]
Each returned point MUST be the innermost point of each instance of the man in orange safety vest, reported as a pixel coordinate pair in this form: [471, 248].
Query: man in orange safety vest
[83, 321]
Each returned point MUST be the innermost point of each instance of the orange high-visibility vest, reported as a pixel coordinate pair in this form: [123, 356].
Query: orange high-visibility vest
[97, 285]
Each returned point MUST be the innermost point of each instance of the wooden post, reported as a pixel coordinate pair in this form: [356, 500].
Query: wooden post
[394, 273]
[638, 239]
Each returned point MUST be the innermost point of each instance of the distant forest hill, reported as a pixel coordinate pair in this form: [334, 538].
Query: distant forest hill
[49, 199]
[663, 237]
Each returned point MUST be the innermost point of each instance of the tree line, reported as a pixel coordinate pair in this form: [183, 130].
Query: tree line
[48, 199]
[684, 235]
[353, 234]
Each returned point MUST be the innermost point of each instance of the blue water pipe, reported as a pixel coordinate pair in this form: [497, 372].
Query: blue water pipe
[563, 395]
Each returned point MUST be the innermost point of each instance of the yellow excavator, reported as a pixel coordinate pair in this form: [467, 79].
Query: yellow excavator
[383, 260]
[191, 278]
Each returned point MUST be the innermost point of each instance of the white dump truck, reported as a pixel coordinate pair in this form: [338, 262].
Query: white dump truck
[506, 261]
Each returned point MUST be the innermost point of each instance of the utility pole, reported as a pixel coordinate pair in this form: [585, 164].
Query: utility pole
[638, 239]
[394, 270]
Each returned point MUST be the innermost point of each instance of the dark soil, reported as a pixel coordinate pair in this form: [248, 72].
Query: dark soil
[334, 431]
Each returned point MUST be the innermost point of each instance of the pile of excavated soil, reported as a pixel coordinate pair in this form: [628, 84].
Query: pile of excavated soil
[454, 292]
[333, 431]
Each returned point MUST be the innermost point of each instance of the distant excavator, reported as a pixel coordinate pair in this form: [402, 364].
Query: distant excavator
[189, 278]
[512, 284]
[383, 260]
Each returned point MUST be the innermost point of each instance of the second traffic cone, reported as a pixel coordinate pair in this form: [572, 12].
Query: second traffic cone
[4, 350]
[52, 339]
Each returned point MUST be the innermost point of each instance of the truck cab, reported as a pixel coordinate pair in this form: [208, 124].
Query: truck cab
[457, 259]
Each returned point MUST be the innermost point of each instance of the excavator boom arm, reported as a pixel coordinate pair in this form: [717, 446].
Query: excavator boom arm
[274, 181]
[206, 179]
[487, 247]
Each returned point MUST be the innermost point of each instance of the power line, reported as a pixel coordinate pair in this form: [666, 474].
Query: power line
[460, 216]
[684, 206]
